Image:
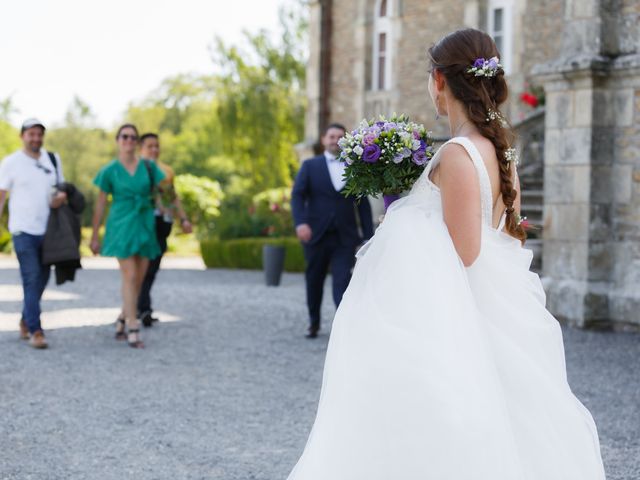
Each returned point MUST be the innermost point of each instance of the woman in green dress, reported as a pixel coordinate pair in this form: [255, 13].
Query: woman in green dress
[130, 229]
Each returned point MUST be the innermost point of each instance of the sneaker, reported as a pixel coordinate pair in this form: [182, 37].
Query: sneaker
[24, 331]
[38, 341]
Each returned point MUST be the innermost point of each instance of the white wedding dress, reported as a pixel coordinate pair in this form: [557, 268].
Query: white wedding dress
[435, 371]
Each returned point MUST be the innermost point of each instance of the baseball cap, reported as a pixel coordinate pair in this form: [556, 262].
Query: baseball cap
[30, 123]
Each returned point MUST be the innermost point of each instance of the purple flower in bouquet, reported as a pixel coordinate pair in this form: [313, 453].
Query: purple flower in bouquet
[388, 126]
[479, 63]
[420, 157]
[371, 153]
[369, 139]
[398, 157]
[416, 135]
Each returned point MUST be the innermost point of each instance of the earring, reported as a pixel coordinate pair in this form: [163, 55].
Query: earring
[437, 105]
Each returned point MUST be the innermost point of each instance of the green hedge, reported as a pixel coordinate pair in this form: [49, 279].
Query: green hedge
[246, 253]
[5, 241]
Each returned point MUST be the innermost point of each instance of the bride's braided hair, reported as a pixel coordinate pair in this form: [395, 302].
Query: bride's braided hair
[482, 96]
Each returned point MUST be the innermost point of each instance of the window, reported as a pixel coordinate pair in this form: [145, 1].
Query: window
[500, 23]
[382, 58]
[498, 28]
[382, 45]
[383, 8]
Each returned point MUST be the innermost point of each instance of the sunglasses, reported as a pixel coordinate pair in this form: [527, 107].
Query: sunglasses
[43, 168]
[129, 137]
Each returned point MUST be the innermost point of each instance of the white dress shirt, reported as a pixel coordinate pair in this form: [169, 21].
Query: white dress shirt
[336, 170]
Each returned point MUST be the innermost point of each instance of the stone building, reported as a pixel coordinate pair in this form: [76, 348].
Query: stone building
[580, 151]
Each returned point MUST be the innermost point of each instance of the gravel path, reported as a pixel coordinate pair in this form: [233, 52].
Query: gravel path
[226, 389]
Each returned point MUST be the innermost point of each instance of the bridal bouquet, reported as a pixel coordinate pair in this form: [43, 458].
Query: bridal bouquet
[385, 157]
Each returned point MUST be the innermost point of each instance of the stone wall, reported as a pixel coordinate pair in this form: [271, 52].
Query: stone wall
[624, 187]
[346, 61]
[418, 24]
[587, 54]
[423, 23]
[592, 159]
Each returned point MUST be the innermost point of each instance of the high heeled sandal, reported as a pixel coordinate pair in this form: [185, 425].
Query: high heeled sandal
[121, 334]
[135, 343]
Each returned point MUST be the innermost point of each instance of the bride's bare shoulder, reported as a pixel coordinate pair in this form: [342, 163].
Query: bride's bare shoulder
[454, 163]
[485, 147]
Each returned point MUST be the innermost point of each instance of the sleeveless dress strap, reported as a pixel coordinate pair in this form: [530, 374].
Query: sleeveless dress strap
[503, 221]
[483, 177]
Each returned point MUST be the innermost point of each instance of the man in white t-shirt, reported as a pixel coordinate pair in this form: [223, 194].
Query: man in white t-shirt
[28, 178]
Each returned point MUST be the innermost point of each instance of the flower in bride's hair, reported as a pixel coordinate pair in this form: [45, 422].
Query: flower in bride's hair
[511, 156]
[485, 68]
[522, 221]
[493, 115]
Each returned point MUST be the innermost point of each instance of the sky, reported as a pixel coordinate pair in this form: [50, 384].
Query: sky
[111, 52]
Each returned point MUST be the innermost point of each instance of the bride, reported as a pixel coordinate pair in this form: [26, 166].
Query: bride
[443, 362]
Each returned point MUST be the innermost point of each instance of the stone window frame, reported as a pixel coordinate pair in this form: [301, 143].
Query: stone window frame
[382, 29]
[506, 33]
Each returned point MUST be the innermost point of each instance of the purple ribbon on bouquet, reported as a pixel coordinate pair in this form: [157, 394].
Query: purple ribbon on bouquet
[389, 199]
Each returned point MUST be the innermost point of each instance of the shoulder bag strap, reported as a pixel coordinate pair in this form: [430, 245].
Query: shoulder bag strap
[147, 164]
[54, 161]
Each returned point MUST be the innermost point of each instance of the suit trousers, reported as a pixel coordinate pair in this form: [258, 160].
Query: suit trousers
[327, 253]
[163, 230]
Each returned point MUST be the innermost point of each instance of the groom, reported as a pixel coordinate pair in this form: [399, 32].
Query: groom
[326, 223]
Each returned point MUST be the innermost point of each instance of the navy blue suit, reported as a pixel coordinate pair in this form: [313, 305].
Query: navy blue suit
[332, 218]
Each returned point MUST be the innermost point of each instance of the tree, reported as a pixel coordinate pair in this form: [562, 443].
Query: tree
[261, 101]
[201, 198]
[182, 111]
[83, 148]
[9, 142]
[9, 139]
[9, 136]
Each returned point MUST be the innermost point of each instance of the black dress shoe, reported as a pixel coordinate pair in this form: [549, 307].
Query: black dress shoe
[312, 333]
[147, 319]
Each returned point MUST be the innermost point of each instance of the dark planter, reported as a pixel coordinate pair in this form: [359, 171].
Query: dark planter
[273, 263]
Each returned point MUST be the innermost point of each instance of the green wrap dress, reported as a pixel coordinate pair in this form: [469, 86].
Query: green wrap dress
[130, 227]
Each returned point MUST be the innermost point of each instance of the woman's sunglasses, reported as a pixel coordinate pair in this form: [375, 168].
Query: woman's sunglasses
[129, 137]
